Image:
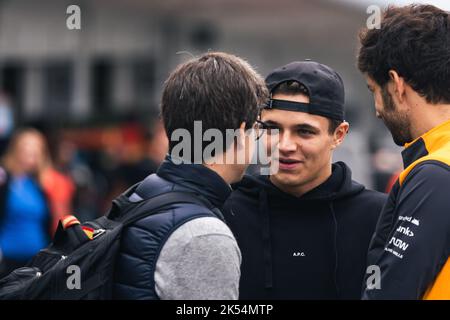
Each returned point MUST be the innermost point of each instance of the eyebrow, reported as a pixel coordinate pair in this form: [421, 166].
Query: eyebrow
[307, 127]
[296, 126]
[272, 123]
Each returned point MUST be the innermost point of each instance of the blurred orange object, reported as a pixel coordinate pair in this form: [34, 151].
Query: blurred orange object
[392, 181]
[59, 190]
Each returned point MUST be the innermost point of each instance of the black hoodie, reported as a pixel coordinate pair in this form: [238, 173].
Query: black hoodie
[309, 247]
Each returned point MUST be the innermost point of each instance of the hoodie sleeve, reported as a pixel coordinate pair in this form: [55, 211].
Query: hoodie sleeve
[418, 244]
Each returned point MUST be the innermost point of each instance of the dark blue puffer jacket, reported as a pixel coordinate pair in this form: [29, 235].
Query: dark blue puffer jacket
[142, 242]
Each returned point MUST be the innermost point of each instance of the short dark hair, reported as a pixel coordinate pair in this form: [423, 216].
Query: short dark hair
[414, 41]
[219, 89]
[294, 88]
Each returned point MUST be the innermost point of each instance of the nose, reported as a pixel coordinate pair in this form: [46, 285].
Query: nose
[377, 109]
[377, 114]
[287, 144]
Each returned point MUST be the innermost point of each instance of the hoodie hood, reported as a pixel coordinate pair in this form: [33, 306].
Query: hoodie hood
[339, 185]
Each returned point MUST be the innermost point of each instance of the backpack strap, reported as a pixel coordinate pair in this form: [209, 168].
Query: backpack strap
[122, 203]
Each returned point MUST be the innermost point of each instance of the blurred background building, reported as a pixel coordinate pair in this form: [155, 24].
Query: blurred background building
[97, 89]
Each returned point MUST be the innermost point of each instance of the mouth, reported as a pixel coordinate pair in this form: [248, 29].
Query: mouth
[288, 163]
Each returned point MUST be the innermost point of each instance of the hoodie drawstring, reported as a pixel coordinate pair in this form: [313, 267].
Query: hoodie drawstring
[335, 247]
[264, 210]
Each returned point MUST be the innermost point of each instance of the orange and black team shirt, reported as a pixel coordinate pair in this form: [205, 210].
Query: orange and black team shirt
[411, 245]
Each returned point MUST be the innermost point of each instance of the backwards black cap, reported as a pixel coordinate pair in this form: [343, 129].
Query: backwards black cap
[324, 85]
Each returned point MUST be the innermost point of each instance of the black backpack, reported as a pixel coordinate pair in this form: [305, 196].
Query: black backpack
[50, 274]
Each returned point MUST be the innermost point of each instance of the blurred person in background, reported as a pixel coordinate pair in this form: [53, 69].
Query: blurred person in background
[156, 144]
[406, 63]
[139, 158]
[25, 219]
[57, 184]
[91, 185]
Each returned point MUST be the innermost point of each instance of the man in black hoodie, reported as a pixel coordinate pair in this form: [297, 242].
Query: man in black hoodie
[304, 231]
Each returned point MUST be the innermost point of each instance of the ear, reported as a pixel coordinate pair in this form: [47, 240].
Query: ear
[240, 143]
[339, 134]
[398, 85]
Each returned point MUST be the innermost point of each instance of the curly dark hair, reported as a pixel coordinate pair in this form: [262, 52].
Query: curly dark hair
[414, 41]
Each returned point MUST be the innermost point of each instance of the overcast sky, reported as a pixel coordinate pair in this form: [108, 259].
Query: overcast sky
[443, 4]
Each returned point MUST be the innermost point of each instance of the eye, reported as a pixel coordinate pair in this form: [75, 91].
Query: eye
[305, 132]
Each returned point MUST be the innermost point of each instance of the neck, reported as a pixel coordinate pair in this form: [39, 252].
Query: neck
[302, 188]
[427, 117]
[225, 171]
[13, 168]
